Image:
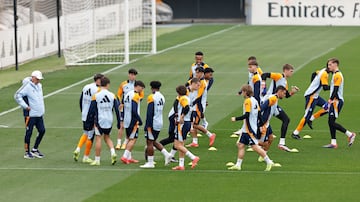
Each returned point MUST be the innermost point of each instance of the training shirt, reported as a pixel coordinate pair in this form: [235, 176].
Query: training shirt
[337, 80]
[85, 98]
[255, 84]
[132, 109]
[278, 79]
[35, 98]
[250, 125]
[268, 108]
[183, 102]
[259, 71]
[154, 114]
[101, 109]
[315, 87]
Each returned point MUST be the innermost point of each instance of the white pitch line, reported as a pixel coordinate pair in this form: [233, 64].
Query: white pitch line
[117, 169]
[122, 65]
[4, 126]
[313, 58]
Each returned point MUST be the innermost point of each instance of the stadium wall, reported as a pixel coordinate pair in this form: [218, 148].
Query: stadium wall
[207, 9]
[304, 12]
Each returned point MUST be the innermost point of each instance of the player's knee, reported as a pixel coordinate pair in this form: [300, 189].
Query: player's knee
[286, 120]
[331, 121]
[42, 131]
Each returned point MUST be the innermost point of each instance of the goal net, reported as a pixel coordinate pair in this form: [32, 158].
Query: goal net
[107, 31]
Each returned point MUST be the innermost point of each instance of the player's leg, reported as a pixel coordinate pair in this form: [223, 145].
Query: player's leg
[334, 111]
[82, 140]
[240, 157]
[98, 135]
[150, 137]
[179, 145]
[262, 153]
[120, 136]
[39, 124]
[211, 136]
[110, 145]
[183, 129]
[195, 120]
[324, 109]
[132, 135]
[310, 104]
[89, 143]
[167, 156]
[284, 126]
[28, 132]
[171, 132]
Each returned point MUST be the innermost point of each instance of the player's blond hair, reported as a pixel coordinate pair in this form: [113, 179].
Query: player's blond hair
[247, 89]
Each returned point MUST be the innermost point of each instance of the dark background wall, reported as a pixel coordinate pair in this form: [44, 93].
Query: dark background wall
[207, 8]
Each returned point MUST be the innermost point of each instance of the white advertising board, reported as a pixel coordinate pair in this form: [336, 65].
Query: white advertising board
[303, 12]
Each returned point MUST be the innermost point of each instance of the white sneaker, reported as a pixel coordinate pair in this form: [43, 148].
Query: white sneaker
[284, 147]
[95, 163]
[261, 159]
[238, 132]
[351, 139]
[269, 166]
[147, 165]
[167, 160]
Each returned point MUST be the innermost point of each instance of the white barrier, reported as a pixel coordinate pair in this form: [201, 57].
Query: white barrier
[303, 12]
[40, 39]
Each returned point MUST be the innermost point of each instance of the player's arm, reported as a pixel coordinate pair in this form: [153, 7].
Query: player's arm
[211, 82]
[175, 104]
[337, 82]
[265, 75]
[184, 111]
[134, 111]
[80, 101]
[324, 81]
[120, 91]
[185, 108]
[261, 122]
[19, 96]
[149, 113]
[294, 89]
[335, 93]
[287, 94]
[117, 112]
[257, 90]
[271, 75]
[246, 115]
[92, 114]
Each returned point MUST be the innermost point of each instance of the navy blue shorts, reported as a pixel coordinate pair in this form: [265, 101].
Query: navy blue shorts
[153, 135]
[102, 131]
[246, 139]
[132, 132]
[182, 130]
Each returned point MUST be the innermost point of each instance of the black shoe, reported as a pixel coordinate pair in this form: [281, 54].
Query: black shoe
[173, 160]
[309, 123]
[37, 153]
[297, 137]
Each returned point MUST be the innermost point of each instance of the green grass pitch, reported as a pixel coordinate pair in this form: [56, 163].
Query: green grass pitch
[313, 174]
